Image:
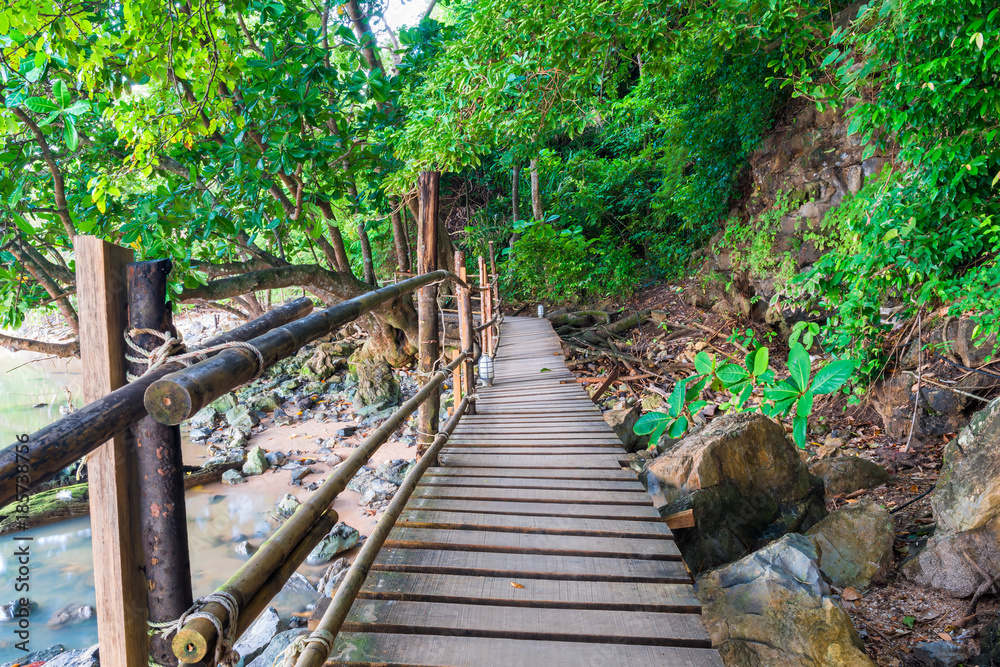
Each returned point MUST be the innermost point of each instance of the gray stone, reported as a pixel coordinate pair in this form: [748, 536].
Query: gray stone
[267, 401]
[333, 577]
[244, 549]
[846, 474]
[200, 434]
[204, 417]
[361, 480]
[233, 477]
[855, 544]
[275, 459]
[299, 474]
[377, 385]
[71, 614]
[241, 420]
[393, 471]
[745, 483]
[277, 647]
[773, 609]
[85, 657]
[288, 504]
[298, 584]
[326, 360]
[225, 403]
[340, 538]
[938, 654]
[44, 655]
[256, 462]
[966, 504]
[623, 421]
[255, 640]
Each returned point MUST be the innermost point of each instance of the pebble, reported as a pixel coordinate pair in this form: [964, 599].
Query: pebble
[233, 477]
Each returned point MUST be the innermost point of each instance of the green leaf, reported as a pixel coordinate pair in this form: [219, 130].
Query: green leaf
[805, 405]
[61, 93]
[678, 428]
[69, 133]
[799, 366]
[703, 363]
[760, 361]
[649, 422]
[77, 108]
[675, 404]
[799, 431]
[730, 374]
[23, 224]
[832, 376]
[908, 621]
[543, 370]
[40, 105]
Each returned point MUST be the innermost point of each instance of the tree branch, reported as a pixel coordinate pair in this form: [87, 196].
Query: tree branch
[58, 184]
[70, 349]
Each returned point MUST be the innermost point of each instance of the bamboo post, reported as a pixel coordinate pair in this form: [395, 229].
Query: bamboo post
[114, 480]
[465, 332]
[485, 307]
[494, 276]
[457, 382]
[427, 258]
[158, 449]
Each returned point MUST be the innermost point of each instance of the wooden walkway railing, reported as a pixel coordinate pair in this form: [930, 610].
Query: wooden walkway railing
[531, 543]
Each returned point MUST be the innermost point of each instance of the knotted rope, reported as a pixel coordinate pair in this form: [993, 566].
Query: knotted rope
[173, 350]
[301, 643]
[224, 653]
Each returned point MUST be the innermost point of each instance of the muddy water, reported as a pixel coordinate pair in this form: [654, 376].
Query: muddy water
[62, 570]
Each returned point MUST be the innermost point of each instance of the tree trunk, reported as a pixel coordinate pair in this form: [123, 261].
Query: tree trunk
[399, 236]
[340, 252]
[515, 193]
[536, 195]
[366, 255]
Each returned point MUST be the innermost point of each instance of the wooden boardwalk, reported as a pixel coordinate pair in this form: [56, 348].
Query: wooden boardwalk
[531, 544]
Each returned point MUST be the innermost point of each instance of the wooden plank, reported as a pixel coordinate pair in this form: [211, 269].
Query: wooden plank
[535, 473]
[533, 483]
[534, 495]
[529, 623]
[521, 523]
[531, 543]
[356, 648]
[590, 439]
[567, 447]
[683, 519]
[545, 593]
[114, 518]
[531, 566]
[595, 461]
[615, 453]
[635, 512]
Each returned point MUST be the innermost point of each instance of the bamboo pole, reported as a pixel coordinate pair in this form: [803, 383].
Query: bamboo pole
[457, 377]
[466, 337]
[314, 654]
[61, 443]
[485, 306]
[178, 396]
[162, 510]
[427, 314]
[197, 638]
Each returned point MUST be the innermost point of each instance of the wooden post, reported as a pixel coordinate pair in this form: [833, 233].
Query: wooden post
[494, 289]
[466, 332]
[158, 449]
[427, 313]
[485, 307]
[114, 479]
[457, 382]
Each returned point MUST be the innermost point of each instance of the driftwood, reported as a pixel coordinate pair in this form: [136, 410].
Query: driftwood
[71, 502]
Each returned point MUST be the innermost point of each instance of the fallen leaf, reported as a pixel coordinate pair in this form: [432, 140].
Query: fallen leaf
[944, 636]
[514, 584]
[908, 621]
[850, 593]
[929, 615]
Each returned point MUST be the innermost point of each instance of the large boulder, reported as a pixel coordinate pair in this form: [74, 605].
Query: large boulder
[377, 385]
[966, 504]
[773, 609]
[254, 641]
[745, 483]
[855, 544]
[845, 474]
[326, 361]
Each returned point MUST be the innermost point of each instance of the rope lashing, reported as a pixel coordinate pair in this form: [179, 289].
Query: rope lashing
[301, 643]
[224, 653]
[173, 350]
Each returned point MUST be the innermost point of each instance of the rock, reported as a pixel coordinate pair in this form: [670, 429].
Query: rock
[204, 417]
[966, 504]
[233, 477]
[299, 474]
[267, 401]
[275, 459]
[38, 656]
[622, 422]
[346, 431]
[361, 480]
[846, 474]
[277, 647]
[85, 657]
[393, 471]
[281, 418]
[241, 420]
[340, 538]
[288, 504]
[200, 434]
[298, 584]
[256, 462]
[855, 544]
[651, 402]
[254, 641]
[744, 480]
[937, 654]
[71, 614]
[332, 578]
[325, 362]
[773, 609]
[244, 549]
[225, 403]
[377, 385]
[989, 644]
